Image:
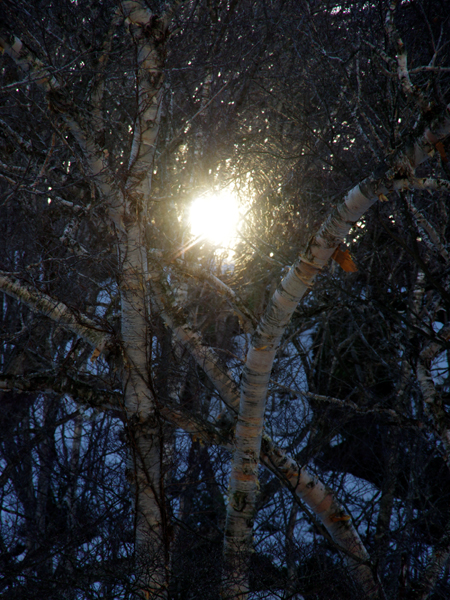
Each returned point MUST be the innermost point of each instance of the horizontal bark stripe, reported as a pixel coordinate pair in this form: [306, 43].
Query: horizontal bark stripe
[249, 425]
[246, 477]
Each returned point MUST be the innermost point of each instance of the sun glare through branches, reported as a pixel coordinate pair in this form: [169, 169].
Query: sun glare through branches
[215, 216]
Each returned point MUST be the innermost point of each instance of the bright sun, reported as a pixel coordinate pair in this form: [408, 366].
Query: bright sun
[216, 217]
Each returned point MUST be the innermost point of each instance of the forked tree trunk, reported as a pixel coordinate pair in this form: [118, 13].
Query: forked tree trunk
[256, 374]
[126, 210]
[308, 489]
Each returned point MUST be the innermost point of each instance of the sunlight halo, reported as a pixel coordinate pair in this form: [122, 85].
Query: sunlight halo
[215, 217]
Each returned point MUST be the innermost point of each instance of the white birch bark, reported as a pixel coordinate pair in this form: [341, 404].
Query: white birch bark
[309, 489]
[134, 305]
[149, 84]
[144, 464]
[57, 311]
[320, 499]
[397, 44]
[125, 210]
[256, 373]
[29, 64]
[145, 431]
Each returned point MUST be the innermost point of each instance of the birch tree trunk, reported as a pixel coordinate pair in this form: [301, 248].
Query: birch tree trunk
[143, 426]
[126, 210]
[308, 489]
[256, 373]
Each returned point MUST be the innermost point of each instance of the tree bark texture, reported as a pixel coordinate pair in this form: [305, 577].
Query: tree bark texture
[265, 342]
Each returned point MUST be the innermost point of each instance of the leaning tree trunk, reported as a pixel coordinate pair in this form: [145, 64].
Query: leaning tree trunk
[256, 374]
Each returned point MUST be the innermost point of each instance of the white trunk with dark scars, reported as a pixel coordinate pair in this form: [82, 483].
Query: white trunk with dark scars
[126, 211]
[244, 471]
[309, 489]
[320, 499]
[145, 431]
[144, 459]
